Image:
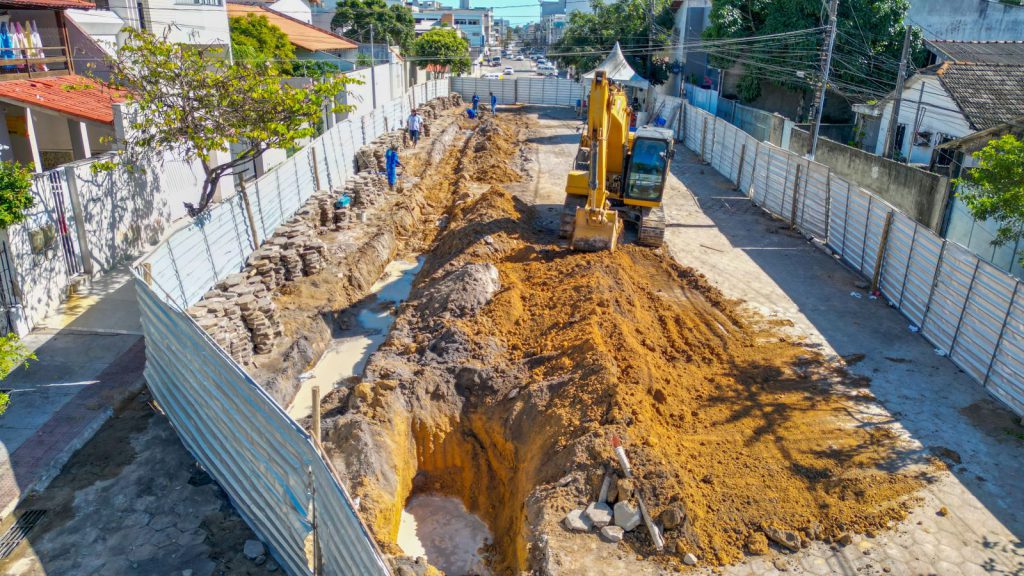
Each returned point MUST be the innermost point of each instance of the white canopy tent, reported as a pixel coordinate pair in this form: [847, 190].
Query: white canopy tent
[619, 70]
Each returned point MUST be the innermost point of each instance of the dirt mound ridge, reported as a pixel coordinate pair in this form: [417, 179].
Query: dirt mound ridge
[512, 408]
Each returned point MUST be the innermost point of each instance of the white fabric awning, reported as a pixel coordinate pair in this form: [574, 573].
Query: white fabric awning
[618, 70]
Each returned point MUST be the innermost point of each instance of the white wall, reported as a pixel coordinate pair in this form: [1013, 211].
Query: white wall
[389, 85]
[298, 9]
[940, 116]
[967, 19]
[186, 23]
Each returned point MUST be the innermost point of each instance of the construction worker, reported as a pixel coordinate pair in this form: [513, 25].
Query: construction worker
[476, 103]
[471, 113]
[494, 103]
[414, 125]
[391, 164]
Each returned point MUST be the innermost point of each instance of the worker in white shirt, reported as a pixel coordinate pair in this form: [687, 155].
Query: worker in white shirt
[414, 125]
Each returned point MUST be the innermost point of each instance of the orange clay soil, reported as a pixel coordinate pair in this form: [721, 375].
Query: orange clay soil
[724, 418]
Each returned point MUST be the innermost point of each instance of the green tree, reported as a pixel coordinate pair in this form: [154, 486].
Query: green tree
[13, 353]
[255, 41]
[444, 47]
[190, 100]
[865, 60]
[994, 189]
[588, 36]
[15, 193]
[392, 24]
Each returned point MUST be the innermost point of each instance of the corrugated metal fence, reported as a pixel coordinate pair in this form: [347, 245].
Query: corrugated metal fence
[262, 458]
[544, 91]
[967, 308]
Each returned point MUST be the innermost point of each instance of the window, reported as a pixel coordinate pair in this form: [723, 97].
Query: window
[142, 15]
[901, 133]
[923, 139]
[647, 169]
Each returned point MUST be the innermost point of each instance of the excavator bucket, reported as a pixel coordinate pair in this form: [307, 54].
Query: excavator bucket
[595, 229]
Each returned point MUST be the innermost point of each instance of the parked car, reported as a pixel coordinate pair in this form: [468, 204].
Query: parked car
[547, 70]
[509, 71]
[492, 76]
[520, 58]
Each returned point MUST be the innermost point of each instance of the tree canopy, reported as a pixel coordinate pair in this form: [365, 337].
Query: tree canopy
[589, 36]
[392, 24]
[994, 189]
[255, 41]
[190, 100]
[443, 47]
[865, 61]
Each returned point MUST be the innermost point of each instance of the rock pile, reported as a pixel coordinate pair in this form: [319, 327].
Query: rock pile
[371, 156]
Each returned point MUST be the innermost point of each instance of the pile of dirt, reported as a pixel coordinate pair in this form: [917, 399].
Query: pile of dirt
[510, 405]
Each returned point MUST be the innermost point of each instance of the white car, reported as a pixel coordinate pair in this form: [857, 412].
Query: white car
[547, 70]
[492, 76]
[509, 71]
[520, 58]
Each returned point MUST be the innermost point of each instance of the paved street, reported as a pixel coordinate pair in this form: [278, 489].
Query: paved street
[751, 257]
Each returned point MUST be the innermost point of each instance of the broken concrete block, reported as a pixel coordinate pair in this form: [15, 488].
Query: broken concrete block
[253, 549]
[689, 560]
[627, 516]
[576, 521]
[599, 513]
[612, 534]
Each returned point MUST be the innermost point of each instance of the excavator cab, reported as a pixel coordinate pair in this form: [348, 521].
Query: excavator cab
[648, 167]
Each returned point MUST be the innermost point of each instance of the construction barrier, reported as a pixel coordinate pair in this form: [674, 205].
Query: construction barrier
[967, 308]
[542, 91]
[264, 460]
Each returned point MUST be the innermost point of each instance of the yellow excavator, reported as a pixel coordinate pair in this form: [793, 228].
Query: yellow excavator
[618, 175]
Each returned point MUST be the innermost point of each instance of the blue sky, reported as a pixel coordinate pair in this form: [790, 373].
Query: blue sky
[516, 11]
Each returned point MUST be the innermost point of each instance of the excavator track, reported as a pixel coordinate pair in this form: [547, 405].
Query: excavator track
[652, 227]
[572, 202]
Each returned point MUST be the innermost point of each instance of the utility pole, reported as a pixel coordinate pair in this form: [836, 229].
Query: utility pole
[650, 39]
[833, 11]
[890, 133]
[373, 66]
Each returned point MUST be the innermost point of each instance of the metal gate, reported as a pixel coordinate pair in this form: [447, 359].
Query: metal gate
[52, 189]
[8, 293]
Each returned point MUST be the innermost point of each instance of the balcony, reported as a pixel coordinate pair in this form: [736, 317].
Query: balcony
[43, 62]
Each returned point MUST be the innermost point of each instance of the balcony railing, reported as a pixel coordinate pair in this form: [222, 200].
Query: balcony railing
[36, 62]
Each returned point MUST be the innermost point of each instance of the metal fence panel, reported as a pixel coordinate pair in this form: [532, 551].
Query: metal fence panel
[877, 215]
[949, 295]
[856, 227]
[773, 198]
[749, 149]
[719, 150]
[1006, 375]
[839, 195]
[812, 211]
[504, 89]
[982, 320]
[261, 457]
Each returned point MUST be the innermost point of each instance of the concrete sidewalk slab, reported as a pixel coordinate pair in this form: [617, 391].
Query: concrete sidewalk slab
[90, 359]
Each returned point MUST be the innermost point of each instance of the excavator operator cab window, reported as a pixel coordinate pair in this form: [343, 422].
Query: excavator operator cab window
[647, 169]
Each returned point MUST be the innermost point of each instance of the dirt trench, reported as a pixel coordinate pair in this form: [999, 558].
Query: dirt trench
[515, 360]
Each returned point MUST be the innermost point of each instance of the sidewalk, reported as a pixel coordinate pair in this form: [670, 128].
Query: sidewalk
[90, 361]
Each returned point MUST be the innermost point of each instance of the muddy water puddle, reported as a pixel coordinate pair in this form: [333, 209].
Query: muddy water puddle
[348, 353]
[440, 528]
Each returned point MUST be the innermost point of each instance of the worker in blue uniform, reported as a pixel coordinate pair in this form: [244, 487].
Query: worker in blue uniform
[391, 164]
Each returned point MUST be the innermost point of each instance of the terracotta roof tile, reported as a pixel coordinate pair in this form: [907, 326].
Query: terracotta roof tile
[299, 33]
[72, 95]
[987, 94]
[46, 4]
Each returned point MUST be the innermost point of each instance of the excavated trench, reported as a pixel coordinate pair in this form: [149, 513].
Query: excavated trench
[514, 361]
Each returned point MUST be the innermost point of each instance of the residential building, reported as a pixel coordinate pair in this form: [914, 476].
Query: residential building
[961, 226]
[475, 23]
[202, 22]
[950, 100]
[689, 63]
[554, 16]
[310, 43]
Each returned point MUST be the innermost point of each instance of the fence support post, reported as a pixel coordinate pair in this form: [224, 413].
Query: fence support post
[249, 215]
[882, 247]
[1002, 332]
[935, 281]
[739, 167]
[147, 273]
[703, 139]
[316, 415]
[963, 309]
[316, 165]
[796, 195]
